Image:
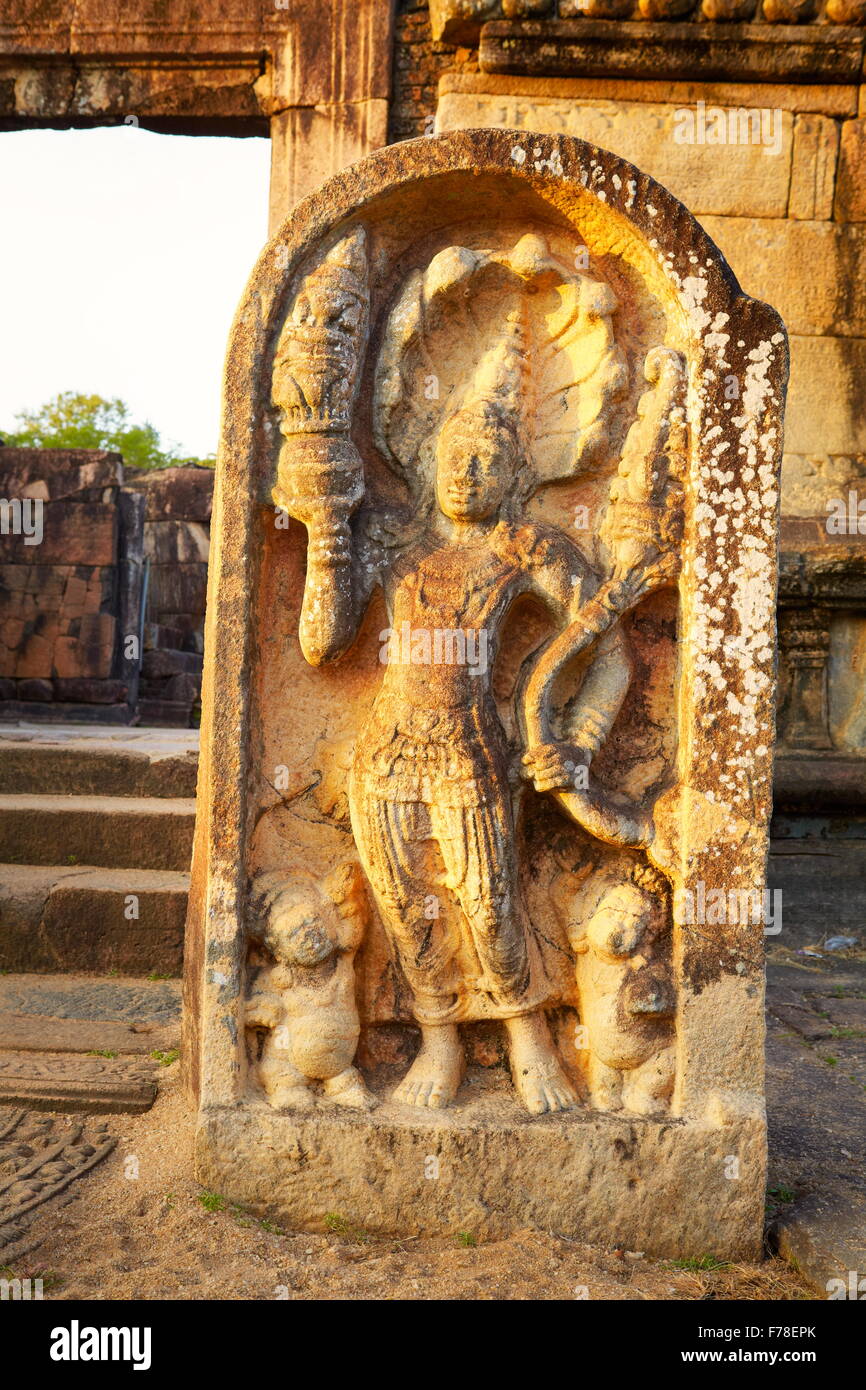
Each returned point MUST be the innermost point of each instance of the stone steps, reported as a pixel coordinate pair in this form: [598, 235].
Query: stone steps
[109, 831]
[85, 917]
[135, 762]
[96, 831]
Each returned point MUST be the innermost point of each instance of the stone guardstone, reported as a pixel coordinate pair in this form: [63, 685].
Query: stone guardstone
[475, 937]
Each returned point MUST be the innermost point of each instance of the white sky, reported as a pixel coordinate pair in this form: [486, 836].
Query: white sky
[123, 255]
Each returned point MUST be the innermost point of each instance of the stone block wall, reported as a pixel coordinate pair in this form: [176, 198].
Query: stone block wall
[177, 510]
[85, 546]
[69, 576]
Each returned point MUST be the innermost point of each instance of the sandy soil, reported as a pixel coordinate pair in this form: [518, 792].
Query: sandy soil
[153, 1237]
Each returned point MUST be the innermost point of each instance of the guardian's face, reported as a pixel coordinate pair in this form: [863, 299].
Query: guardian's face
[475, 461]
[301, 934]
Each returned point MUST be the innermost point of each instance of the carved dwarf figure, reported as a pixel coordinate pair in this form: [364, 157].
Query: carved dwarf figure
[626, 995]
[304, 1002]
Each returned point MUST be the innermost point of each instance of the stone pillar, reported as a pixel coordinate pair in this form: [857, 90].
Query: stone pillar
[326, 91]
[804, 650]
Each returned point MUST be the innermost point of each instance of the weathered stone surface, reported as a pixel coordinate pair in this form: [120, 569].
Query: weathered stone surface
[169, 662]
[32, 1033]
[54, 474]
[67, 574]
[460, 21]
[73, 533]
[56, 621]
[332, 54]
[823, 288]
[34, 690]
[494, 1168]
[164, 714]
[308, 143]
[811, 481]
[176, 588]
[25, 711]
[70, 919]
[454, 257]
[850, 194]
[117, 920]
[808, 98]
[846, 692]
[35, 1033]
[136, 763]
[734, 178]
[805, 868]
[40, 1158]
[183, 687]
[157, 635]
[175, 494]
[817, 1117]
[92, 999]
[175, 541]
[833, 783]
[813, 167]
[80, 690]
[825, 414]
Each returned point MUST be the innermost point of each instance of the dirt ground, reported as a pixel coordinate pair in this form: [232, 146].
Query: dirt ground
[159, 1236]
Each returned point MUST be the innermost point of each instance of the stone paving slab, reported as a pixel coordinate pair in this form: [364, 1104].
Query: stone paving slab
[64, 1082]
[41, 1156]
[816, 1102]
[35, 1033]
[83, 1044]
[91, 998]
[156, 742]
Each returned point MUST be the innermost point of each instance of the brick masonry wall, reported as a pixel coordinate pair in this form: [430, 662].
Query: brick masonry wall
[418, 64]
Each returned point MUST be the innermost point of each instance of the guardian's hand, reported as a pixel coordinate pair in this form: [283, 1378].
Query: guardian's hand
[556, 767]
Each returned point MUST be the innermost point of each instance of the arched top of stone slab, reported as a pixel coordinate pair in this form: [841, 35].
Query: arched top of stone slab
[475, 174]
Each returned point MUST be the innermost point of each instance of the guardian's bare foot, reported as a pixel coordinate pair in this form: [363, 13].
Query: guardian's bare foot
[538, 1075]
[434, 1077]
[349, 1089]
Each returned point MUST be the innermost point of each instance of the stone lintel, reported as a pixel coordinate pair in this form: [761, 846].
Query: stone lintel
[183, 96]
[818, 783]
[833, 100]
[724, 52]
[223, 69]
[817, 567]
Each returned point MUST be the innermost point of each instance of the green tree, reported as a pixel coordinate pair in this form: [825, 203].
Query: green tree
[72, 420]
